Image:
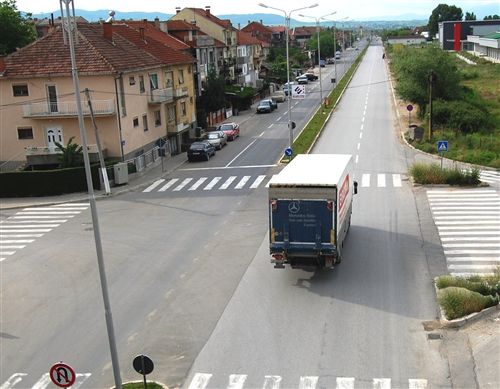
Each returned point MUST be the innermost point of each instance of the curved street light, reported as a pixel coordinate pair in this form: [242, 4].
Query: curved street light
[319, 49]
[287, 27]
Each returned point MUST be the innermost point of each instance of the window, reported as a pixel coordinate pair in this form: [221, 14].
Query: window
[157, 118]
[169, 79]
[181, 76]
[25, 133]
[131, 80]
[153, 81]
[136, 122]
[142, 89]
[145, 122]
[20, 90]
[183, 108]
[171, 113]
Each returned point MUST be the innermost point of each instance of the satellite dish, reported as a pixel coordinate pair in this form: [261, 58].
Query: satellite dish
[111, 16]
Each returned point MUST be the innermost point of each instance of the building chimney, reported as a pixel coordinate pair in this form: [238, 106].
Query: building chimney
[177, 10]
[207, 10]
[260, 21]
[248, 22]
[3, 66]
[157, 23]
[239, 27]
[141, 32]
[107, 30]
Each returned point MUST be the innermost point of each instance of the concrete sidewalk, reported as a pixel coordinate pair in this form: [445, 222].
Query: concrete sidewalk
[137, 181]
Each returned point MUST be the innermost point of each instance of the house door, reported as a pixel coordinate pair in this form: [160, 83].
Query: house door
[53, 135]
[52, 98]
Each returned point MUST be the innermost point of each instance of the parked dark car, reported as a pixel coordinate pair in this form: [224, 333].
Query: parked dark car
[200, 150]
[311, 76]
[264, 106]
[274, 103]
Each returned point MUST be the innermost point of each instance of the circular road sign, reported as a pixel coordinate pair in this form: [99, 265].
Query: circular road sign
[62, 375]
[288, 151]
[143, 364]
[409, 107]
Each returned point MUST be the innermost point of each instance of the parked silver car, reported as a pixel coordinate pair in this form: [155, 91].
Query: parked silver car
[217, 138]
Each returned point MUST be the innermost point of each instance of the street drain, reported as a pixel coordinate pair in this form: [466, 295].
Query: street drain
[434, 336]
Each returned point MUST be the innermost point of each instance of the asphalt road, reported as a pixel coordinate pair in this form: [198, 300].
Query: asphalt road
[192, 287]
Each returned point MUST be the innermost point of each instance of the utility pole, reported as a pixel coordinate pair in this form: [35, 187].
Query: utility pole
[432, 80]
[69, 24]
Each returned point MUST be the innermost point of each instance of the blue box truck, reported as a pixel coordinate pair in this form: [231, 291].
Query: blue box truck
[310, 206]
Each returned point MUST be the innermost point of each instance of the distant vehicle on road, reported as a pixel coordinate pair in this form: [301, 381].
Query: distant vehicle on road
[200, 150]
[302, 79]
[232, 130]
[311, 76]
[286, 87]
[337, 55]
[322, 63]
[279, 96]
[217, 138]
[330, 61]
[264, 106]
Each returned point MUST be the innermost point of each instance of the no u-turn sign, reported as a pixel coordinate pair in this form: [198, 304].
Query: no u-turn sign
[62, 375]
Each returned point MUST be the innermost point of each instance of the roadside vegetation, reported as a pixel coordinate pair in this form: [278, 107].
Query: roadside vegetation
[461, 296]
[140, 385]
[466, 103]
[425, 174]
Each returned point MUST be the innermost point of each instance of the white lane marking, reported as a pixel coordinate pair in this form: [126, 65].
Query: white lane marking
[479, 208]
[417, 383]
[308, 382]
[30, 230]
[7, 252]
[236, 381]
[261, 134]
[471, 239]
[469, 191]
[153, 185]
[228, 167]
[270, 382]
[468, 196]
[476, 245]
[5, 227]
[456, 252]
[168, 185]
[13, 379]
[200, 381]
[43, 382]
[198, 183]
[381, 383]
[381, 180]
[472, 218]
[345, 382]
[256, 184]
[13, 241]
[72, 205]
[228, 182]
[359, 145]
[468, 222]
[362, 127]
[48, 213]
[365, 180]
[272, 124]
[242, 182]
[458, 231]
[212, 183]
[396, 180]
[474, 267]
[241, 152]
[360, 135]
[2, 236]
[53, 209]
[462, 212]
[11, 247]
[357, 157]
[38, 217]
[182, 184]
[279, 119]
[24, 222]
[363, 119]
[473, 259]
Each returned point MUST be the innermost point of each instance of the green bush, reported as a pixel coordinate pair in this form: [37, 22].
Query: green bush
[478, 285]
[460, 115]
[427, 174]
[456, 176]
[459, 302]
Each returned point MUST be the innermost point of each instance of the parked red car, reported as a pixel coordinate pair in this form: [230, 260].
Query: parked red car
[232, 130]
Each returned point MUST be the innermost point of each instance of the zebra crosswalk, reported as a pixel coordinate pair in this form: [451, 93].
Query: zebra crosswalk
[24, 227]
[490, 176]
[252, 182]
[237, 381]
[468, 222]
[19, 380]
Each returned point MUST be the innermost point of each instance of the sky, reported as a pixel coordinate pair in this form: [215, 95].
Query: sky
[354, 9]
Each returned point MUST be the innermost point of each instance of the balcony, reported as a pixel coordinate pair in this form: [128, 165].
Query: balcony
[158, 96]
[67, 109]
[181, 92]
[50, 155]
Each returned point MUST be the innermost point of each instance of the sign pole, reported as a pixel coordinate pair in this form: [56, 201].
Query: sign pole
[144, 372]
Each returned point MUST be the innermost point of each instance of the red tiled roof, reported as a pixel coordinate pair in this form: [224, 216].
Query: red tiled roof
[304, 31]
[155, 33]
[244, 38]
[277, 28]
[256, 26]
[226, 23]
[94, 54]
[180, 25]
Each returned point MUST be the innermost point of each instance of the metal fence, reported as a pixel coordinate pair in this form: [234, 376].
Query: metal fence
[142, 161]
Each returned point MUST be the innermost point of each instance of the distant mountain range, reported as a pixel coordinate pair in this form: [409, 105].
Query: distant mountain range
[406, 20]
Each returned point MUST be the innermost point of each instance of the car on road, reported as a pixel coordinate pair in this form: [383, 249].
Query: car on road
[264, 106]
[330, 61]
[302, 79]
[232, 130]
[311, 76]
[286, 87]
[217, 138]
[279, 96]
[200, 150]
[274, 103]
[337, 55]
[322, 63]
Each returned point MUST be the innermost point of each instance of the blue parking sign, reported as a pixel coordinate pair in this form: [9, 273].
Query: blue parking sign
[288, 151]
[442, 145]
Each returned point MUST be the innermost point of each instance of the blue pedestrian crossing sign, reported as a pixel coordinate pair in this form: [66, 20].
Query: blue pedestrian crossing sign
[288, 151]
[442, 145]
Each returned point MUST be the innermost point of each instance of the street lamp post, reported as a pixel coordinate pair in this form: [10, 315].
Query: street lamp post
[319, 51]
[287, 26]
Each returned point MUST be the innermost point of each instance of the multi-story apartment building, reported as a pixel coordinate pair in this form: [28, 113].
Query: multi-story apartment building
[222, 30]
[141, 90]
[248, 60]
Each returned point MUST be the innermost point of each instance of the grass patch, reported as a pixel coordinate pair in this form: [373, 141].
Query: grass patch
[428, 174]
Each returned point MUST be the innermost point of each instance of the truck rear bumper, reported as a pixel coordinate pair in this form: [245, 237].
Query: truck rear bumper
[299, 256]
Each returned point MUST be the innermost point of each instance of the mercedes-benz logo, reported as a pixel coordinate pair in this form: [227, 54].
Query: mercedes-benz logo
[294, 207]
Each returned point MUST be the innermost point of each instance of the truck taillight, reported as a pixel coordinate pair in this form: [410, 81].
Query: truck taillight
[274, 205]
[329, 205]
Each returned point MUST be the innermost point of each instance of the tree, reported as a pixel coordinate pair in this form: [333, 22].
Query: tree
[491, 17]
[15, 29]
[442, 13]
[214, 97]
[470, 16]
[71, 155]
[413, 66]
